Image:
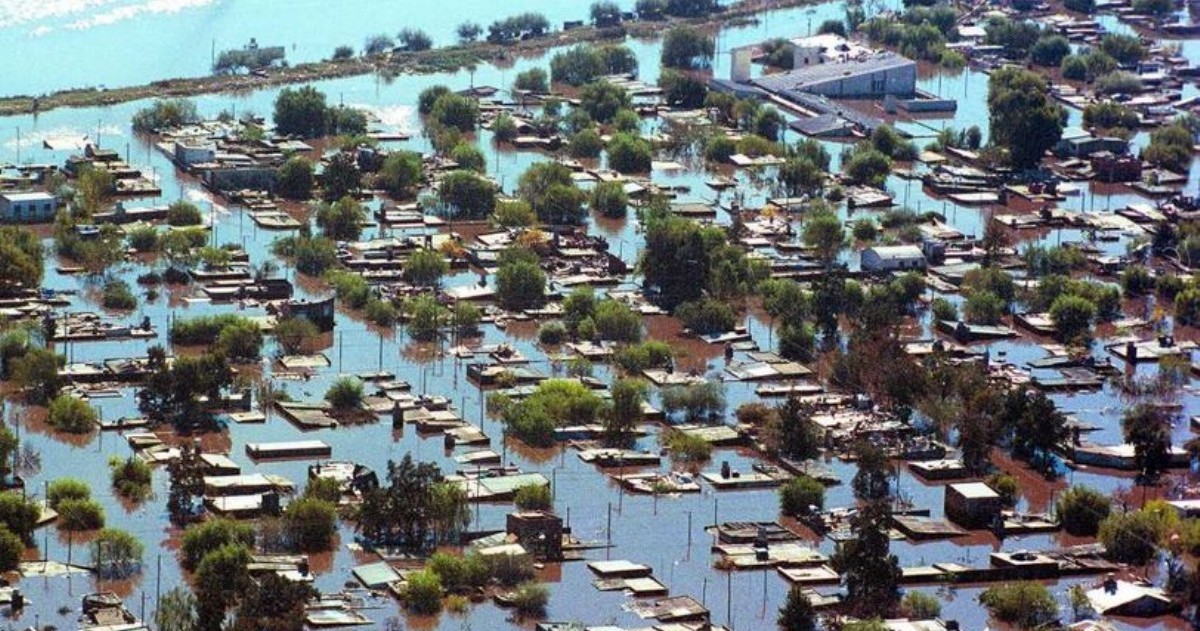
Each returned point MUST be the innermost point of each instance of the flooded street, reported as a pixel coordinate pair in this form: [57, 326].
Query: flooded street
[667, 533]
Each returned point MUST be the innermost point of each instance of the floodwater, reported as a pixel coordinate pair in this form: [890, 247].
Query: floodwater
[644, 529]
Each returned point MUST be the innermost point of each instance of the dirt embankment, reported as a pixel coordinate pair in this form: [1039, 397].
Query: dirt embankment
[446, 59]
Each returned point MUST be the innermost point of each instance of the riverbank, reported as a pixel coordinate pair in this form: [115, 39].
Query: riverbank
[445, 59]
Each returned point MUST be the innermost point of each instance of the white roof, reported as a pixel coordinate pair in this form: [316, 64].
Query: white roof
[974, 490]
[1125, 593]
[896, 251]
[37, 196]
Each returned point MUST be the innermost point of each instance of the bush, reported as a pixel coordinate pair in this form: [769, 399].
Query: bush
[533, 497]
[687, 48]
[921, 606]
[532, 80]
[552, 333]
[530, 599]
[864, 229]
[1080, 509]
[142, 238]
[944, 310]
[117, 554]
[1006, 487]
[80, 514]
[64, 489]
[585, 144]
[346, 394]
[687, 448]
[801, 495]
[707, 316]
[208, 536]
[130, 478]
[183, 213]
[609, 199]
[296, 178]
[616, 322]
[423, 592]
[629, 154]
[645, 356]
[11, 550]
[1026, 604]
[311, 524]
[520, 284]
[71, 415]
[241, 340]
[1130, 537]
[117, 295]
[203, 329]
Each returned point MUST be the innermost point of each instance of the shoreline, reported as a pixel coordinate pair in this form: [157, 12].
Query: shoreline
[446, 59]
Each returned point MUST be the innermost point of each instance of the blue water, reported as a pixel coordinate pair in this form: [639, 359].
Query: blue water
[90, 43]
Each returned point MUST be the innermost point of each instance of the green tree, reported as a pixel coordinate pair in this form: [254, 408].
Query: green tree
[682, 90]
[296, 179]
[1072, 317]
[273, 603]
[871, 574]
[117, 554]
[295, 335]
[455, 111]
[549, 189]
[921, 606]
[165, 114]
[1024, 119]
[221, 578]
[1080, 509]
[341, 177]
[423, 593]
[183, 213]
[520, 282]
[867, 166]
[797, 613]
[425, 268]
[602, 100]
[1148, 429]
[824, 232]
[626, 412]
[533, 497]
[468, 195]
[629, 154]
[1026, 604]
[534, 80]
[609, 199]
[19, 515]
[310, 524]
[413, 40]
[801, 495]
[176, 611]
[345, 394]
[872, 481]
[300, 112]
[203, 538]
[688, 48]
[342, 220]
[71, 415]
[400, 174]
[11, 550]
[20, 258]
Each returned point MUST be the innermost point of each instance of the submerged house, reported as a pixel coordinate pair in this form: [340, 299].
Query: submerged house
[892, 258]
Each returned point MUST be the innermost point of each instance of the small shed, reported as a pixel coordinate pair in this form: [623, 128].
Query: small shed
[972, 504]
[891, 258]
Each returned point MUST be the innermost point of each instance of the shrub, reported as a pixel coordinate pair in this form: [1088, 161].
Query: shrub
[1130, 537]
[423, 592]
[117, 554]
[345, 394]
[944, 310]
[533, 497]
[921, 606]
[310, 523]
[19, 515]
[1026, 604]
[130, 477]
[207, 536]
[687, 448]
[64, 489]
[1080, 509]
[698, 402]
[609, 199]
[1006, 487]
[585, 144]
[184, 213]
[707, 316]
[11, 550]
[530, 599]
[801, 495]
[117, 295]
[614, 321]
[629, 154]
[645, 356]
[71, 415]
[80, 514]
[552, 333]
